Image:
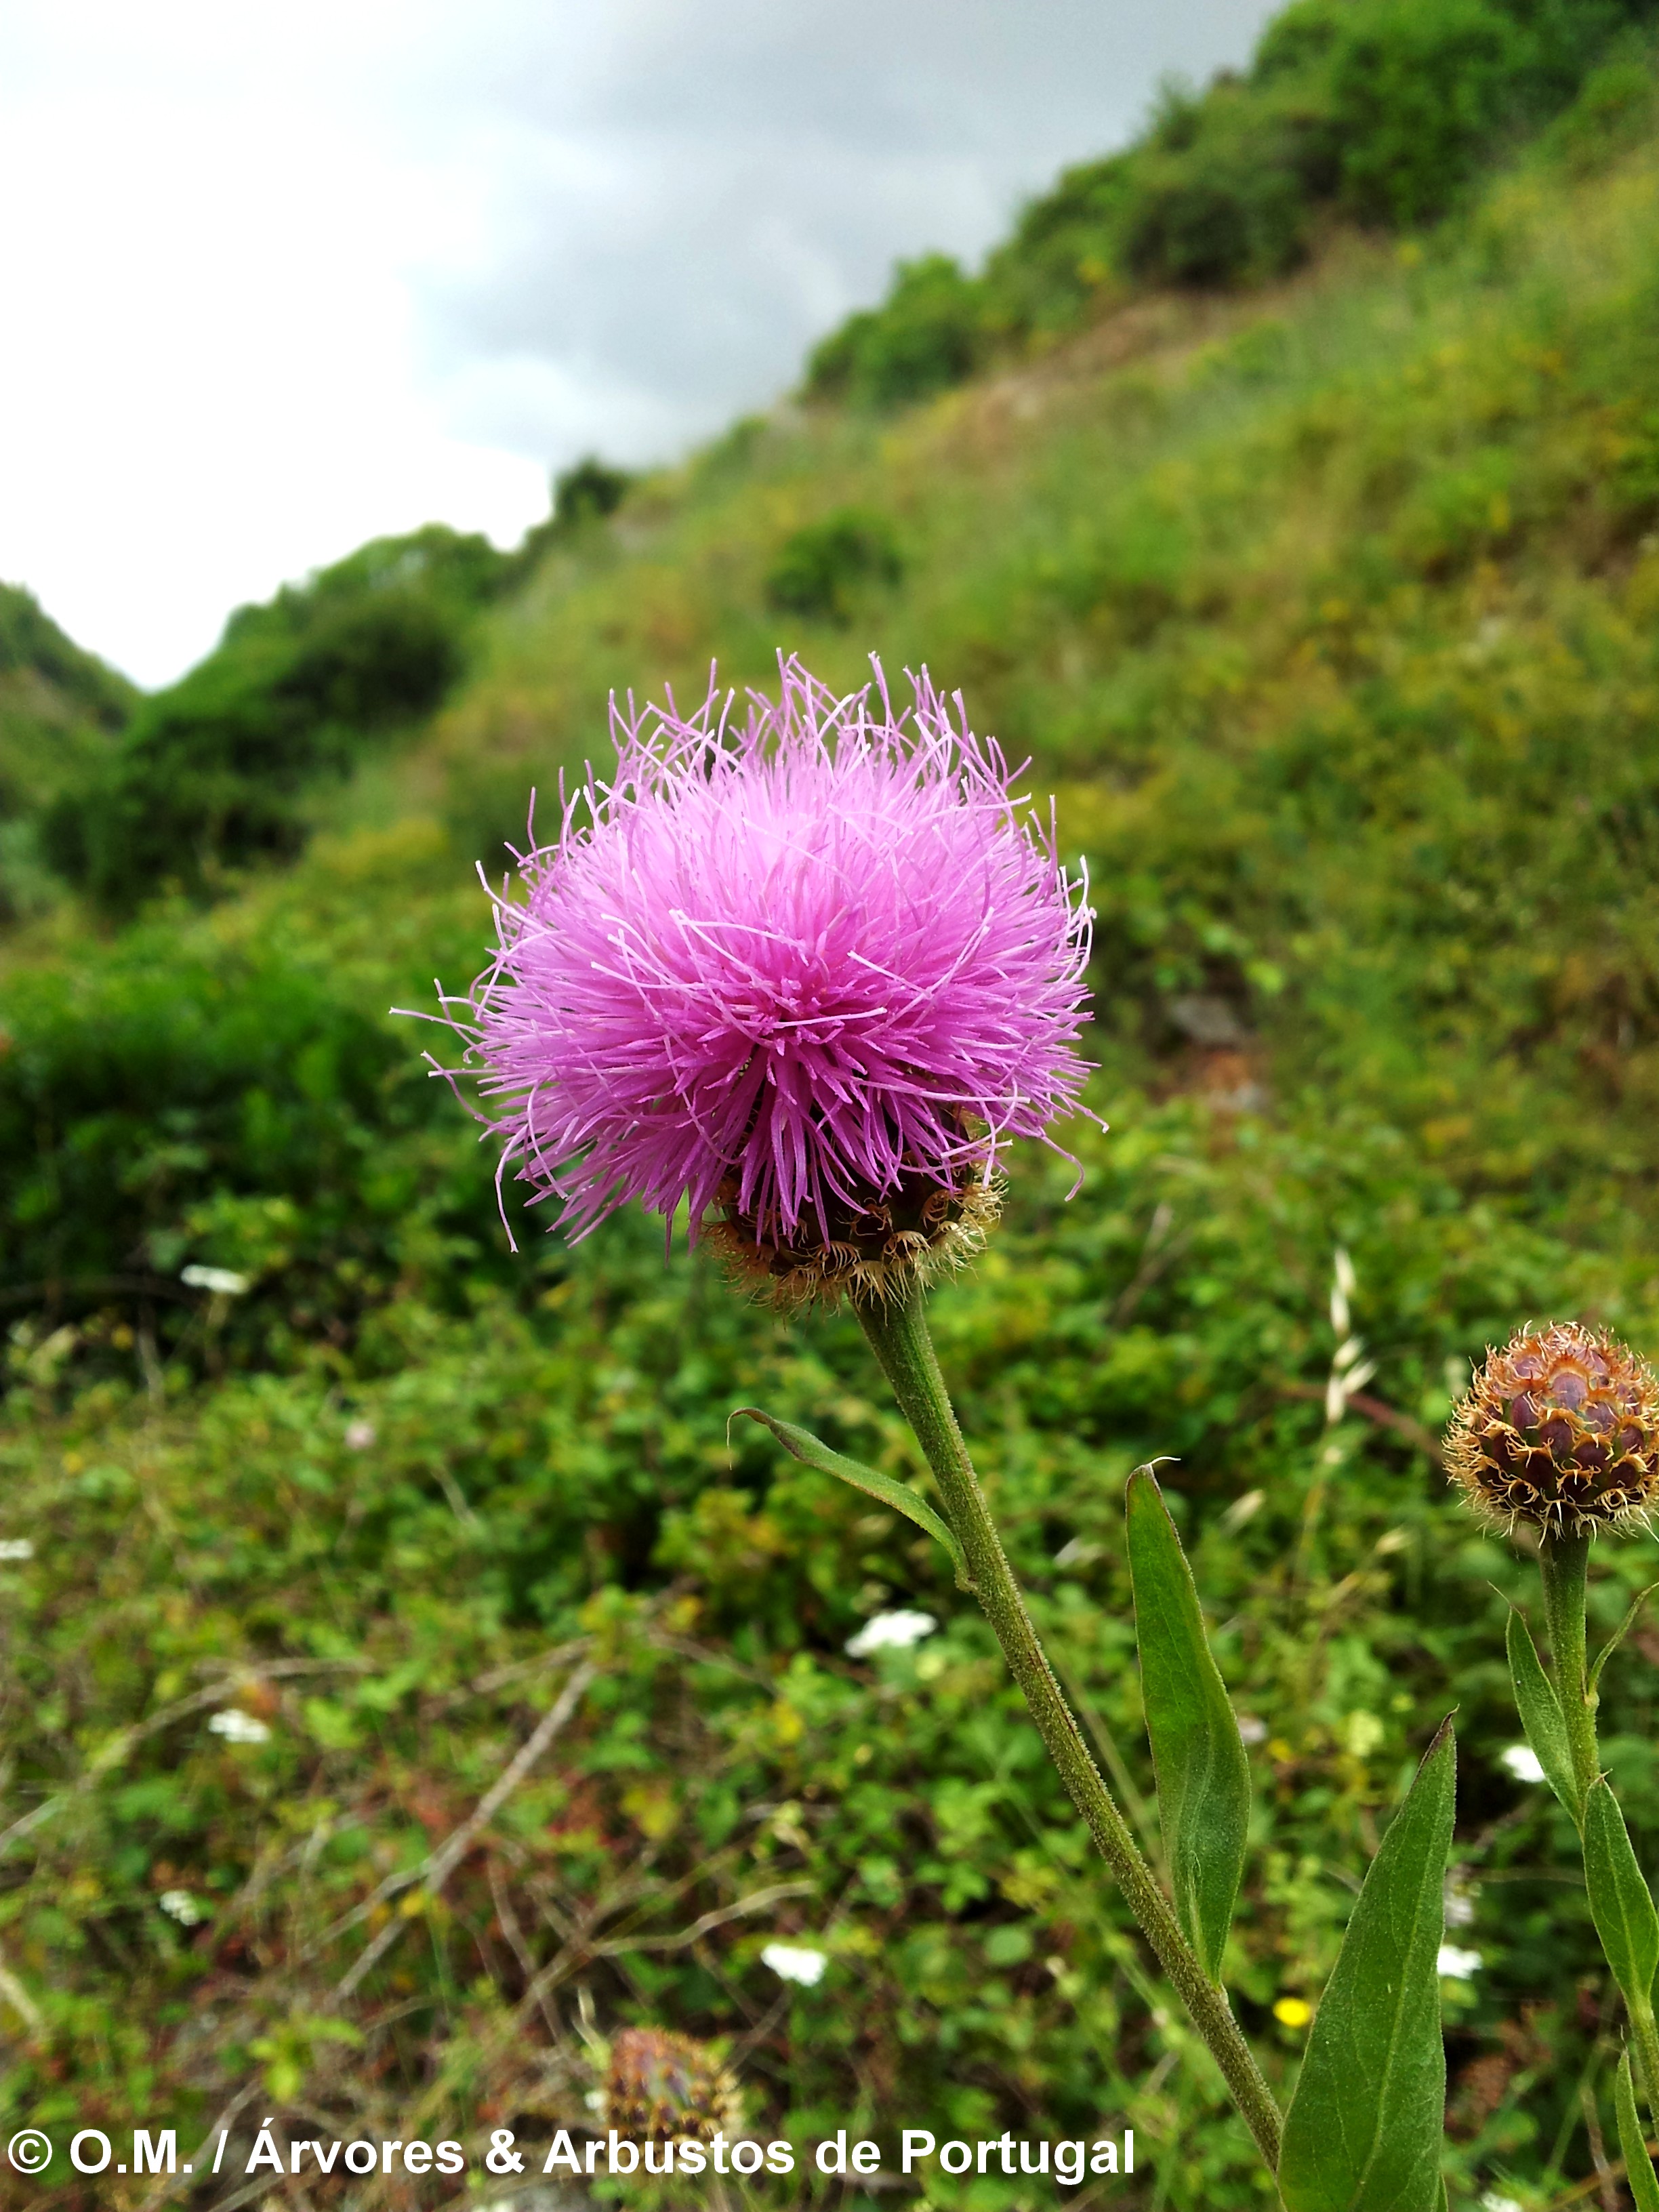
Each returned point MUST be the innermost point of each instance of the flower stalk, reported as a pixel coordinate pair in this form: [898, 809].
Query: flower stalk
[898, 1335]
[1564, 1563]
[1559, 1430]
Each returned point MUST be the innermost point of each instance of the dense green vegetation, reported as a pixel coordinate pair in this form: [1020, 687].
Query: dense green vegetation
[1381, 110]
[1328, 607]
[61, 710]
[212, 772]
[826, 569]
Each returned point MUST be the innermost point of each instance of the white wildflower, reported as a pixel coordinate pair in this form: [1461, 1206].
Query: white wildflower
[238, 1727]
[1460, 1905]
[360, 1434]
[223, 1282]
[178, 1904]
[16, 1548]
[1522, 1762]
[793, 1962]
[890, 1631]
[1252, 1728]
[1457, 1965]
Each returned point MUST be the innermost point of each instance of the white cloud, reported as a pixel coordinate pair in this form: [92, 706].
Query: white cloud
[282, 278]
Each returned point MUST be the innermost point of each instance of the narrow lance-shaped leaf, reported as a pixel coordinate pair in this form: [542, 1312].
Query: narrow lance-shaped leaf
[1619, 1634]
[1364, 2130]
[897, 1495]
[1632, 2142]
[1619, 1901]
[1203, 1776]
[1541, 1715]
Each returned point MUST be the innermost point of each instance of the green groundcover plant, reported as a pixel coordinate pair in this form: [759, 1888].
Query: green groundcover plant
[1330, 615]
[807, 975]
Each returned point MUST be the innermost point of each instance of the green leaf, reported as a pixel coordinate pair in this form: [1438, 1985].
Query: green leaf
[1632, 2142]
[898, 1495]
[1620, 1902]
[1541, 1715]
[1364, 2130]
[1203, 1775]
[1620, 1634]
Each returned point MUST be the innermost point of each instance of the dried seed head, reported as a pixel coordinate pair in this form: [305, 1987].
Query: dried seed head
[1561, 1428]
[662, 2085]
[872, 1249]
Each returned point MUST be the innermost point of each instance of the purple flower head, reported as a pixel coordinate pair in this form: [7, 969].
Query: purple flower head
[811, 974]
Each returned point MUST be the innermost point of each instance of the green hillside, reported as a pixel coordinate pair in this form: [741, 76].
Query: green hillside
[1326, 600]
[60, 711]
[1385, 111]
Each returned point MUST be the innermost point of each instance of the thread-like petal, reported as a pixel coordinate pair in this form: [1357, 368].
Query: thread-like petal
[817, 953]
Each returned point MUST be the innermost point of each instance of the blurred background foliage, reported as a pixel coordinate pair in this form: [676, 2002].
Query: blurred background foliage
[1321, 583]
[1382, 109]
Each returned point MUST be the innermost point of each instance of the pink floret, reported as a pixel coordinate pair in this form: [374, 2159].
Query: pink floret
[810, 953]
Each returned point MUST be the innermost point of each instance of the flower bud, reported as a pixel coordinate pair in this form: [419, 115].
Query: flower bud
[660, 2085]
[1561, 1429]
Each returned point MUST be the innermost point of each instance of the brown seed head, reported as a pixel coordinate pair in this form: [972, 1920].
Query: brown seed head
[873, 1248]
[1561, 1428]
[660, 2085]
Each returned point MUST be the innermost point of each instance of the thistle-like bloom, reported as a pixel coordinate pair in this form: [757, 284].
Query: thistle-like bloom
[808, 976]
[660, 2085]
[1561, 1428]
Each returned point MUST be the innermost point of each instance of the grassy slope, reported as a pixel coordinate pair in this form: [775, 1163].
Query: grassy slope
[1309, 602]
[60, 710]
[1330, 613]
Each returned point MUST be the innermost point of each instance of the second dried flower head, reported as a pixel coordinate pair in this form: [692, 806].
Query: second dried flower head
[1559, 1428]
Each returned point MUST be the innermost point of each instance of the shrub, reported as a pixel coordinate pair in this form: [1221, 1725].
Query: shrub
[212, 772]
[31, 643]
[1386, 107]
[1613, 109]
[1420, 89]
[582, 495]
[1232, 204]
[590, 490]
[819, 570]
[61, 711]
[1063, 249]
[231, 1110]
[929, 333]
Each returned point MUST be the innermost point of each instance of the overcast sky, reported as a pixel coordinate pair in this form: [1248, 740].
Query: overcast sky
[278, 278]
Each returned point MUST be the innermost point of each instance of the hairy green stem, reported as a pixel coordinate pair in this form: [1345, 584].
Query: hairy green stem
[1644, 2037]
[1564, 1562]
[898, 1336]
